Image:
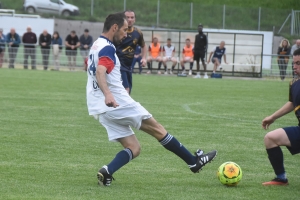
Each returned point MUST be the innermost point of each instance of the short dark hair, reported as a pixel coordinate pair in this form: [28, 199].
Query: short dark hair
[129, 11]
[296, 52]
[169, 39]
[55, 32]
[116, 18]
[74, 32]
[187, 39]
[86, 30]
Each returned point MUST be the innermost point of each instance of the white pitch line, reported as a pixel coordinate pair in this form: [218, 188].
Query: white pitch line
[187, 108]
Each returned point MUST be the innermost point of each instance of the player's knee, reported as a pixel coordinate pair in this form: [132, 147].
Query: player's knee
[136, 150]
[269, 140]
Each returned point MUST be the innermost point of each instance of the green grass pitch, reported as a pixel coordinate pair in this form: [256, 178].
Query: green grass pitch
[52, 149]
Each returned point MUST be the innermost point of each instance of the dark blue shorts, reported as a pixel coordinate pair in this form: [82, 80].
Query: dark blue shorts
[293, 134]
[127, 79]
[213, 60]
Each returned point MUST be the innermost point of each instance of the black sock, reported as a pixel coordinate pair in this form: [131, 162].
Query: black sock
[191, 65]
[172, 144]
[148, 64]
[165, 66]
[173, 67]
[159, 65]
[276, 159]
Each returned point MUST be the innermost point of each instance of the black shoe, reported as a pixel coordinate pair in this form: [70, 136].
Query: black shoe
[104, 177]
[202, 160]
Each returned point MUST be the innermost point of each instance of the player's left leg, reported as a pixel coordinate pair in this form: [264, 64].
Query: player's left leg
[204, 65]
[195, 163]
[125, 81]
[289, 137]
[191, 61]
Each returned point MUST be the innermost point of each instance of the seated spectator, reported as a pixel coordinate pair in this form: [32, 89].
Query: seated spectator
[72, 43]
[45, 43]
[168, 56]
[2, 46]
[154, 55]
[187, 56]
[13, 41]
[283, 57]
[137, 58]
[29, 39]
[56, 48]
[218, 52]
[86, 41]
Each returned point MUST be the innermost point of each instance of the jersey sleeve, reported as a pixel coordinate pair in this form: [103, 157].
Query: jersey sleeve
[141, 41]
[106, 58]
[224, 51]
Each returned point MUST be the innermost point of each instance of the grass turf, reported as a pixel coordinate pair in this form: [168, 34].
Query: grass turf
[52, 149]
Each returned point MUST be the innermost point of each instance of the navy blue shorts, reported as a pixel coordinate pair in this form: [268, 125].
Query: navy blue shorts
[213, 60]
[293, 134]
[127, 79]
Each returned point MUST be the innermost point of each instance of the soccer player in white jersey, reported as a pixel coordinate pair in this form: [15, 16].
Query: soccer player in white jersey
[110, 103]
[169, 56]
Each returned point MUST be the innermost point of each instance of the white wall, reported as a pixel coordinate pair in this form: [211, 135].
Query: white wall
[20, 24]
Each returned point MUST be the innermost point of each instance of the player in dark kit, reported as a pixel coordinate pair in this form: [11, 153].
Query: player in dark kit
[125, 51]
[200, 48]
[288, 136]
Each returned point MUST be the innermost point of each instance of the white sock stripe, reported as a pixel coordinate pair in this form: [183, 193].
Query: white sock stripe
[166, 140]
[129, 153]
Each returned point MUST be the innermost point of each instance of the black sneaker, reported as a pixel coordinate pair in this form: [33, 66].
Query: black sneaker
[104, 178]
[202, 160]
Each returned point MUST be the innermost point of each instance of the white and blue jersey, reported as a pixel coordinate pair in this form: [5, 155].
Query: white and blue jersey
[103, 47]
[218, 53]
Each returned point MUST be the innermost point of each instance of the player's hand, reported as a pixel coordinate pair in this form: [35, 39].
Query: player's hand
[110, 101]
[208, 62]
[143, 62]
[266, 122]
[226, 63]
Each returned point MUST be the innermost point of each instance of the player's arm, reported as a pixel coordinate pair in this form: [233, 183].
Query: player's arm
[101, 72]
[225, 58]
[173, 53]
[144, 49]
[78, 43]
[286, 108]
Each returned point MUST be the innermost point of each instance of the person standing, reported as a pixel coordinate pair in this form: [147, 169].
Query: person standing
[13, 41]
[110, 103]
[137, 59]
[294, 48]
[283, 57]
[2, 46]
[200, 48]
[86, 41]
[169, 56]
[45, 43]
[56, 48]
[29, 39]
[72, 43]
[217, 53]
[126, 49]
[187, 56]
[288, 136]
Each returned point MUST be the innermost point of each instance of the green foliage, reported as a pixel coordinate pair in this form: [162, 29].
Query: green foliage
[176, 14]
[52, 149]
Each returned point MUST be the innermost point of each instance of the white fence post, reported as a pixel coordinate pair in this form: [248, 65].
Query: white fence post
[191, 18]
[92, 7]
[157, 17]
[259, 15]
[224, 11]
[124, 5]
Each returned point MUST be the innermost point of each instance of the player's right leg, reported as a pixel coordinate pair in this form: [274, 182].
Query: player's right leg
[195, 163]
[273, 140]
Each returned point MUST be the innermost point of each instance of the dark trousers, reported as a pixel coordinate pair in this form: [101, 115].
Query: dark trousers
[12, 53]
[45, 53]
[29, 52]
[282, 68]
